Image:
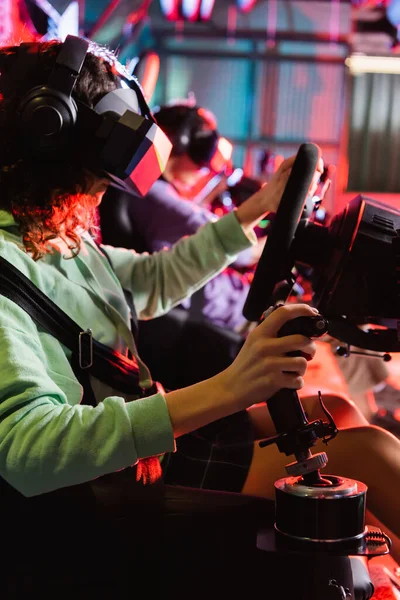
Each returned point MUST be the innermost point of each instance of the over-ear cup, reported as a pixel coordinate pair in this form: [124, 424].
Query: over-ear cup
[47, 118]
[203, 145]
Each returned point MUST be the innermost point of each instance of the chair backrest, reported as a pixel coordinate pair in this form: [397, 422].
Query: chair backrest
[116, 224]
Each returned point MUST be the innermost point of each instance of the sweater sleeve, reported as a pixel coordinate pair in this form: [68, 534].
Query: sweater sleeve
[47, 439]
[162, 280]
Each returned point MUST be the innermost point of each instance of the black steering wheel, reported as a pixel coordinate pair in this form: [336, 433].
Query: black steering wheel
[276, 261]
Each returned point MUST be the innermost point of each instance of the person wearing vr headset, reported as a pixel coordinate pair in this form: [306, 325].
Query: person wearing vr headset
[169, 213]
[80, 461]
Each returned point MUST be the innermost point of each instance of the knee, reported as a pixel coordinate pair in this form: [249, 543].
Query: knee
[338, 402]
[383, 439]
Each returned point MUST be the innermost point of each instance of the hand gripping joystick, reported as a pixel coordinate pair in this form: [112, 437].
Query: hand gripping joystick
[296, 435]
[326, 512]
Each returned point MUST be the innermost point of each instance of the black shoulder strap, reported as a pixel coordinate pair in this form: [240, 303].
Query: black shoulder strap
[104, 363]
[18, 288]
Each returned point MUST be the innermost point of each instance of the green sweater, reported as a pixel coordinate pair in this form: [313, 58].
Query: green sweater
[48, 439]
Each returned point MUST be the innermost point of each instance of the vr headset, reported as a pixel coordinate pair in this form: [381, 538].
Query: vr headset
[118, 138]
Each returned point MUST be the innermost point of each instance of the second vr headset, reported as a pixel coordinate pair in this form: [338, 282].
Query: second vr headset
[121, 139]
[194, 133]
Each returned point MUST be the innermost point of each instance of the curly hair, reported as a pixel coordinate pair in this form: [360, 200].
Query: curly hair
[48, 199]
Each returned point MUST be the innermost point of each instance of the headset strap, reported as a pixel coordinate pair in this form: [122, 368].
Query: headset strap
[66, 69]
[68, 65]
[144, 107]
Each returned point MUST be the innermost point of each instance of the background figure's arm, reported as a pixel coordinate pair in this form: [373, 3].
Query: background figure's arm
[163, 218]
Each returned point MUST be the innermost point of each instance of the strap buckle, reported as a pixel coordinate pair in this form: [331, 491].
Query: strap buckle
[85, 344]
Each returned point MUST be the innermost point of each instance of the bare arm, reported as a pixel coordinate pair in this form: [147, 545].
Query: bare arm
[259, 371]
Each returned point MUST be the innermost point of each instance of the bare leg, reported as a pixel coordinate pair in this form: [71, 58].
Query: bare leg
[367, 453]
[344, 412]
